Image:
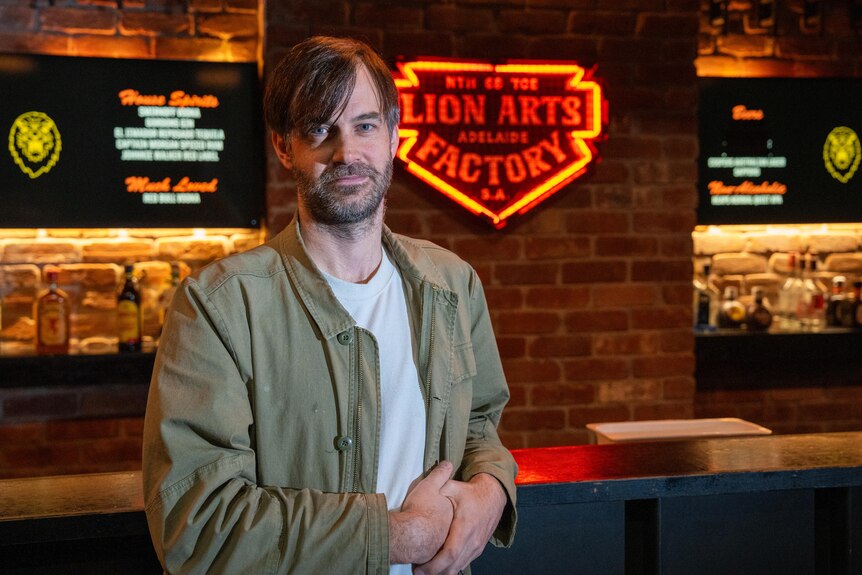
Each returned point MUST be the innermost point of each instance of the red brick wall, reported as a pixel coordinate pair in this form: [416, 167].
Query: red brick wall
[197, 29]
[826, 46]
[61, 447]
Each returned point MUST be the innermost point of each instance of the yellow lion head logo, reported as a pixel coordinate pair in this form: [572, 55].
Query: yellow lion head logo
[35, 144]
[842, 153]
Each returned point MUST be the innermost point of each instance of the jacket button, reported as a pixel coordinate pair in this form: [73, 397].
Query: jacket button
[343, 442]
[345, 337]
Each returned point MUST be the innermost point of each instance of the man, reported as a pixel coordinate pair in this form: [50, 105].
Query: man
[305, 391]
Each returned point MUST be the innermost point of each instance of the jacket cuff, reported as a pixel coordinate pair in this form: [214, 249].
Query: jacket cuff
[378, 533]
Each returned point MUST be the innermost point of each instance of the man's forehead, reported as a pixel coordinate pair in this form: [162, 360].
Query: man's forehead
[364, 85]
[365, 92]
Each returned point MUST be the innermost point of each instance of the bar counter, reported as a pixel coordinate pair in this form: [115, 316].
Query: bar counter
[787, 504]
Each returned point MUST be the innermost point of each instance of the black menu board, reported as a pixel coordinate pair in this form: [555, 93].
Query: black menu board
[780, 150]
[97, 142]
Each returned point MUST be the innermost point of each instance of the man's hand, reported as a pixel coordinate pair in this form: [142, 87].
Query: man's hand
[418, 531]
[479, 504]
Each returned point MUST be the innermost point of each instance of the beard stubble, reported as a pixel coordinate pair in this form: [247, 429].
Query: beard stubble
[344, 206]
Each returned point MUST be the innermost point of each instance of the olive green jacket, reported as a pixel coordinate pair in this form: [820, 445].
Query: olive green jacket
[262, 429]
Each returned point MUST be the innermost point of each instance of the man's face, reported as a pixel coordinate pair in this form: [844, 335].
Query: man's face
[342, 167]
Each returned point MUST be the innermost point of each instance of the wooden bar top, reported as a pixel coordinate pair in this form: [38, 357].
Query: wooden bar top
[71, 507]
[70, 495]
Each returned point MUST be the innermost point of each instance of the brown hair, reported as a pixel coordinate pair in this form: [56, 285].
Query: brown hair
[316, 78]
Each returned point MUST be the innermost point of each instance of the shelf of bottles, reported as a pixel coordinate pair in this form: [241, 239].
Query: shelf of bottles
[136, 326]
[94, 292]
[804, 303]
[762, 289]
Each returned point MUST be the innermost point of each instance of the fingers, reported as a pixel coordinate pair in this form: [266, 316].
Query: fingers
[448, 560]
[455, 553]
[427, 494]
[477, 512]
[438, 476]
[454, 556]
[420, 528]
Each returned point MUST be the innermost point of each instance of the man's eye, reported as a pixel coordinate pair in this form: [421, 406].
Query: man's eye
[367, 127]
[318, 131]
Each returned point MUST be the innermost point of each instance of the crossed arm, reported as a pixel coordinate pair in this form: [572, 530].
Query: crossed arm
[444, 524]
[443, 539]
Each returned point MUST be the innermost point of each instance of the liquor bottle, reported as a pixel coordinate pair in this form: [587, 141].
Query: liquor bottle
[811, 306]
[732, 312]
[834, 309]
[844, 312]
[167, 295]
[857, 305]
[788, 297]
[129, 314]
[52, 319]
[706, 300]
[758, 314]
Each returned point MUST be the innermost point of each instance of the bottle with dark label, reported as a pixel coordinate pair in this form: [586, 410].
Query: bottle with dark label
[706, 300]
[129, 314]
[834, 309]
[758, 316]
[732, 312]
[52, 319]
[846, 307]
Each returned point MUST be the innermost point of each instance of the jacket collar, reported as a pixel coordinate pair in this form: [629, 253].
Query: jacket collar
[314, 291]
[311, 287]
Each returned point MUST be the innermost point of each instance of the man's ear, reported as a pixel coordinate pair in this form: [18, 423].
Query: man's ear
[282, 150]
[393, 144]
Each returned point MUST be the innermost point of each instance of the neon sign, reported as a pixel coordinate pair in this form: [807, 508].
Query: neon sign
[498, 139]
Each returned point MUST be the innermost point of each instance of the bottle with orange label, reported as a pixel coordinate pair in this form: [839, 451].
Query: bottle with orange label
[129, 314]
[52, 319]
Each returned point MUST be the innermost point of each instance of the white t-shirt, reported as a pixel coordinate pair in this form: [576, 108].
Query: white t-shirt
[380, 307]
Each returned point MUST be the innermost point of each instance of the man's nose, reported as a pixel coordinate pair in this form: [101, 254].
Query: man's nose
[347, 149]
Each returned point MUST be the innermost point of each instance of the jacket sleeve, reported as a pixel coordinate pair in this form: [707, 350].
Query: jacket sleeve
[484, 453]
[205, 509]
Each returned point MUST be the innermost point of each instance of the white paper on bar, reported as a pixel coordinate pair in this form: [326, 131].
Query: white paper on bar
[664, 429]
